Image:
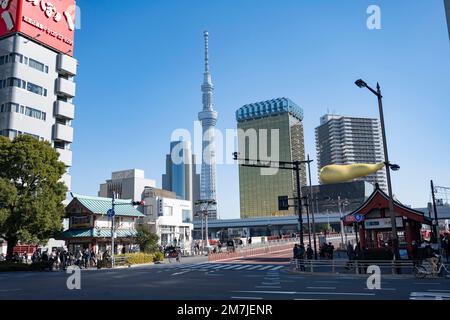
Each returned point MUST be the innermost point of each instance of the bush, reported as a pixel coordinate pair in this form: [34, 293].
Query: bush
[138, 258]
[158, 256]
[22, 267]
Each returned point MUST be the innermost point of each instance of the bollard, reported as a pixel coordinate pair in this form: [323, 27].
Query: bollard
[393, 267]
[312, 267]
[333, 267]
[357, 267]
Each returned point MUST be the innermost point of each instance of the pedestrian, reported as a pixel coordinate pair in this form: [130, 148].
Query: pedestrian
[295, 252]
[330, 251]
[309, 252]
[301, 256]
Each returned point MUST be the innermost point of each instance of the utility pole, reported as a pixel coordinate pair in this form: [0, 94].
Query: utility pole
[436, 220]
[311, 203]
[113, 205]
[342, 222]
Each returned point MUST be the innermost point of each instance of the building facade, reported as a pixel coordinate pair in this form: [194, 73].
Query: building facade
[168, 217]
[181, 174]
[90, 227]
[258, 124]
[126, 184]
[37, 71]
[348, 140]
[208, 118]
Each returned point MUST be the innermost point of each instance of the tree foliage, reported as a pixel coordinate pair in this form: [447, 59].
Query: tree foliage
[147, 241]
[31, 191]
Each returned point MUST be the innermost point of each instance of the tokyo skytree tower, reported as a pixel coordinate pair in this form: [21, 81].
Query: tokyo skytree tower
[208, 118]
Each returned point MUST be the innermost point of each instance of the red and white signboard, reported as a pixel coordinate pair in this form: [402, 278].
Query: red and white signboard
[49, 22]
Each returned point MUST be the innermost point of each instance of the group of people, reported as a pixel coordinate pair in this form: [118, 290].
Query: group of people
[327, 251]
[61, 259]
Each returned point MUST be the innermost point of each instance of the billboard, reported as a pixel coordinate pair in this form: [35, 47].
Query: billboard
[49, 22]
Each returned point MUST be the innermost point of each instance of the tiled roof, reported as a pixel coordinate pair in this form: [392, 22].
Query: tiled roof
[93, 233]
[102, 205]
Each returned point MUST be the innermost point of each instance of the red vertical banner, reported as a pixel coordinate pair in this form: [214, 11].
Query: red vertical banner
[9, 21]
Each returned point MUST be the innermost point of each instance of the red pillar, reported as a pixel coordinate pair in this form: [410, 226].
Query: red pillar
[362, 237]
[408, 235]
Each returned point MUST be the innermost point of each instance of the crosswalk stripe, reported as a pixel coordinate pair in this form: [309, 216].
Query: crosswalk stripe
[233, 266]
[220, 266]
[277, 268]
[243, 267]
[265, 268]
[256, 267]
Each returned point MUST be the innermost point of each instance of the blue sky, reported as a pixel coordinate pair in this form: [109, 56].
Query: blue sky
[141, 65]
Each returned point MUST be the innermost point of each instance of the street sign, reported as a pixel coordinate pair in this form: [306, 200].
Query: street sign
[359, 217]
[283, 203]
[111, 213]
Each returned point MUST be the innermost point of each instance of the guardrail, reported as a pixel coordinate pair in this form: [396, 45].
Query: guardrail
[341, 266]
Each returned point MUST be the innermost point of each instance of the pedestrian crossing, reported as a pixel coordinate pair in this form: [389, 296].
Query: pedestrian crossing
[224, 267]
[429, 296]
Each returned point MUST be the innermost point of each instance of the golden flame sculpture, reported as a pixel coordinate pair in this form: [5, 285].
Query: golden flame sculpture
[344, 173]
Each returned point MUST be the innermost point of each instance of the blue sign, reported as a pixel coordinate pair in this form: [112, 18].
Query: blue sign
[110, 213]
[359, 217]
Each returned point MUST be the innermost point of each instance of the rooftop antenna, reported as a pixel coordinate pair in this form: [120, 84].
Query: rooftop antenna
[206, 35]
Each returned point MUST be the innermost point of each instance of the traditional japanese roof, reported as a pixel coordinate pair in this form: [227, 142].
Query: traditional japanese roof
[98, 205]
[380, 200]
[94, 233]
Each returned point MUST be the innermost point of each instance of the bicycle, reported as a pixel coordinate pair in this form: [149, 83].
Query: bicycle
[420, 271]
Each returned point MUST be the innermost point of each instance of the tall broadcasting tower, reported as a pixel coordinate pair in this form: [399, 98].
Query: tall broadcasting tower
[208, 118]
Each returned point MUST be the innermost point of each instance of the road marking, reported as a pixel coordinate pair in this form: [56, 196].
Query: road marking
[277, 268]
[268, 287]
[256, 267]
[220, 266]
[232, 267]
[265, 268]
[326, 281]
[429, 296]
[180, 273]
[438, 290]
[270, 283]
[427, 283]
[310, 293]
[244, 267]
[247, 298]
[322, 288]
[382, 289]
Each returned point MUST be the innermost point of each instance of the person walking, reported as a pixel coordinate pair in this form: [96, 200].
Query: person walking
[330, 251]
[309, 252]
[301, 256]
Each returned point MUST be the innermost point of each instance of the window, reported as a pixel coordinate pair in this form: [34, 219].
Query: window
[168, 211]
[59, 145]
[37, 65]
[14, 82]
[35, 89]
[186, 216]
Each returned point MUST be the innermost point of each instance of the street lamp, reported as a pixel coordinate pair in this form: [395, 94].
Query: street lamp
[361, 84]
[208, 203]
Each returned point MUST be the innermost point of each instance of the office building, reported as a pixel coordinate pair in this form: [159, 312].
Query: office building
[348, 140]
[127, 184]
[258, 192]
[37, 70]
[168, 217]
[181, 174]
[208, 117]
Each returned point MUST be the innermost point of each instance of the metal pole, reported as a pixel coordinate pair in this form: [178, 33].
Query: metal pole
[206, 230]
[342, 223]
[436, 225]
[312, 209]
[112, 230]
[299, 199]
[307, 219]
[388, 176]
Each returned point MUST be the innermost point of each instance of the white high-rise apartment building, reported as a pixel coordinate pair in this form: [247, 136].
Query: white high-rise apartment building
[37, 73]
[349, 140]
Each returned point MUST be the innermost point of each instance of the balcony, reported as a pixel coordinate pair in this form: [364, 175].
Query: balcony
[65, 87]
[63, 133]
[65, 156]
[64, 109]
[66, 65]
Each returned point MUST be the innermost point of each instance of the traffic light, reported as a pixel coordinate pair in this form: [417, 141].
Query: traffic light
[138, 203]
[283, 203]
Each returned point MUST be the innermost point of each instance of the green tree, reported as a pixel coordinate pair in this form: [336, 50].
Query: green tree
[147, 241]
[31, 191]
